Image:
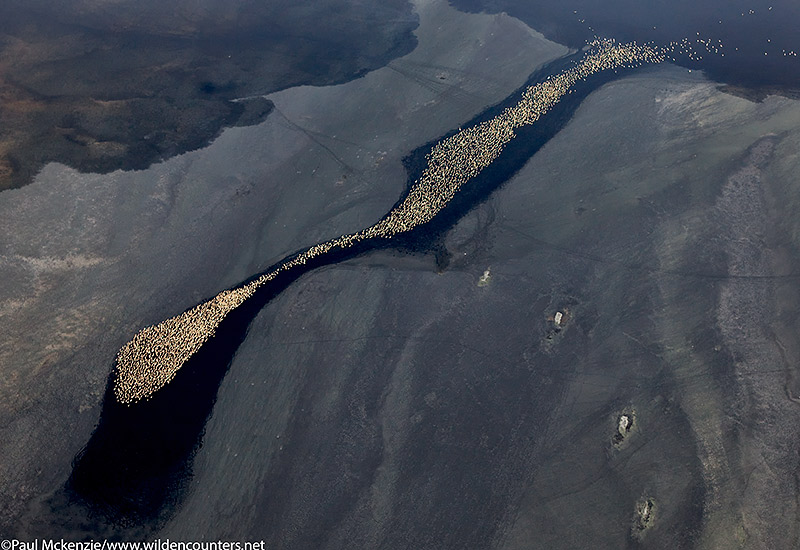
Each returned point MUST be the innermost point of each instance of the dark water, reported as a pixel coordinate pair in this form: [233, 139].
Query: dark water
[746, 37]
[133, 471]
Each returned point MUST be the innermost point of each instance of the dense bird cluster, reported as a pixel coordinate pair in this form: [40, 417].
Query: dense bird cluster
[153, 357]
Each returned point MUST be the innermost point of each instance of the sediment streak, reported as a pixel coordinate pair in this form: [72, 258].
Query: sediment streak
[153, 357]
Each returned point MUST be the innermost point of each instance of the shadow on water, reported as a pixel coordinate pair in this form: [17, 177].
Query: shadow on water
[136, 467]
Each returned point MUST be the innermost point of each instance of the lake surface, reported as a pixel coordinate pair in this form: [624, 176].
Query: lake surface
[423, 394]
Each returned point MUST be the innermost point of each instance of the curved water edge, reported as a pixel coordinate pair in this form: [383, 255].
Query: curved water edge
[86, 94]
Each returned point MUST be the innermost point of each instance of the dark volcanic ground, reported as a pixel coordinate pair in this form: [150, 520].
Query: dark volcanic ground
[101, 86]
